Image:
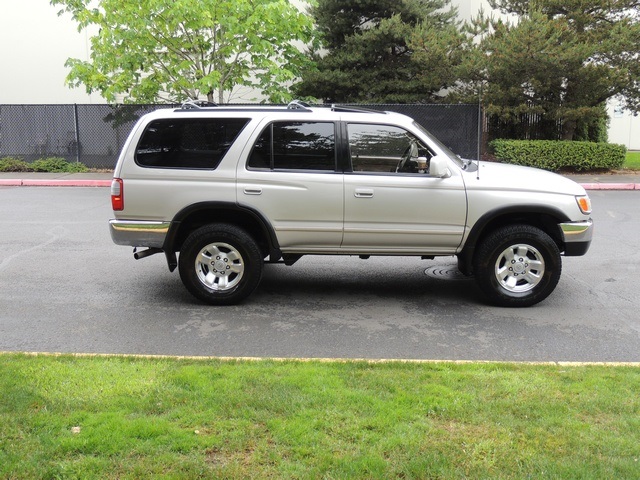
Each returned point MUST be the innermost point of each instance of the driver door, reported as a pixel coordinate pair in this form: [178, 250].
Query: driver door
[392, 205]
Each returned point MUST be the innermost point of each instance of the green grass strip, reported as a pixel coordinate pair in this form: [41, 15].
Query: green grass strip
[131, 417]
[632, 161]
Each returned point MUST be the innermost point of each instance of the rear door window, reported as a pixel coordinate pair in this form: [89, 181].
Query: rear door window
[187, 143]
[295, 146]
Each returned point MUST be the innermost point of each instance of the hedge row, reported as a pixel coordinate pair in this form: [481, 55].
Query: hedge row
[558, 155]
[51, 164]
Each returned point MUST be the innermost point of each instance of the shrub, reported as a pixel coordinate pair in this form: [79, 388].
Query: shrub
[57, 165]
[12, 164]
[556, 155]
[51, 164]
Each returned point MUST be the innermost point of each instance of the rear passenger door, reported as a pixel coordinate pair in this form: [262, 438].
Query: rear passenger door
[290, 177]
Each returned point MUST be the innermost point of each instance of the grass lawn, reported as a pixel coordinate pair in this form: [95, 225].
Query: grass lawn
[632, 161]
[119, 417]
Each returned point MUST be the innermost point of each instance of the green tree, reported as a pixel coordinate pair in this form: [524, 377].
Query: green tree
[561, 60]
[172, 50]
[382, 51]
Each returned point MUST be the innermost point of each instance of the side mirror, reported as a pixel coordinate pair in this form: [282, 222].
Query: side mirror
[438, 167]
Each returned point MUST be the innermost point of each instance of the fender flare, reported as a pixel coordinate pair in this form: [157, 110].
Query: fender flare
[511, 214]
[256, 218]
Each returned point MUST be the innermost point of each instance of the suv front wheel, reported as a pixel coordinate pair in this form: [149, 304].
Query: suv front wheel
[517, 266]
[220, 264]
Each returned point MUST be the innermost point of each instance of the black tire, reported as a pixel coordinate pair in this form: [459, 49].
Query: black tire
[517, 266]
[220, 264]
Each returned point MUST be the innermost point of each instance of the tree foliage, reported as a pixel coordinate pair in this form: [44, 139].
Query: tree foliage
[382, 50]
[561, 60]
[172, 50]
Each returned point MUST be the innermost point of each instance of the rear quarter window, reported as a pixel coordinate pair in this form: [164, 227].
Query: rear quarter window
[187, 143]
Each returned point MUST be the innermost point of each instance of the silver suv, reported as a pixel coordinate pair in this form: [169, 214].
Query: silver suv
[230, 188]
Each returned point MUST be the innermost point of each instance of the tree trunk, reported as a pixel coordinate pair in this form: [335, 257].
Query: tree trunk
[569, 129]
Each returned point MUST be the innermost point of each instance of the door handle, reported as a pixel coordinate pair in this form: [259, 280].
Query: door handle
[253, 191]
[363, 193]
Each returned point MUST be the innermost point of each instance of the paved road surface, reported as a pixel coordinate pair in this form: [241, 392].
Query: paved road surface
[64, 287]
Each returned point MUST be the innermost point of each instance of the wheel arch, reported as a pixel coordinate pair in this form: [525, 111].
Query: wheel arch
[199, 214]
[542, 217]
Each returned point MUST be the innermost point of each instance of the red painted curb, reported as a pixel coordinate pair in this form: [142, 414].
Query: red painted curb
[10, 182]
[611, 186]
[54, 183]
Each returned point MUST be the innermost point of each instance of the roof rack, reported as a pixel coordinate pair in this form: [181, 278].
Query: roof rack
[197, 104]
[298, 105]
[348, 108]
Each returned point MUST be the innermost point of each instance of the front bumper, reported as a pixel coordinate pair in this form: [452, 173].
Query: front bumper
[138, 233]
[577, 237]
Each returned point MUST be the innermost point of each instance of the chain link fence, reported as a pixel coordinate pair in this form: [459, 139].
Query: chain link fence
[95, 134]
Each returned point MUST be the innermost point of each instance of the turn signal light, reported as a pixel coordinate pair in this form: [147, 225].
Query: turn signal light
[117, 194]
[585, 204]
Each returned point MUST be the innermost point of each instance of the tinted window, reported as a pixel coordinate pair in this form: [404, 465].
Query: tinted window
[187, 142]
[385, 149]
[295, 146]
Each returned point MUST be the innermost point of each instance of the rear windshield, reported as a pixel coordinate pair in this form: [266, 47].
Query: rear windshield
[188, 143]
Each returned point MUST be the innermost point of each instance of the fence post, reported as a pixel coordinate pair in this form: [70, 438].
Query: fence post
[75, 123]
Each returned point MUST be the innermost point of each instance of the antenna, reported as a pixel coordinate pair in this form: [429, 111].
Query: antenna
[479, 132]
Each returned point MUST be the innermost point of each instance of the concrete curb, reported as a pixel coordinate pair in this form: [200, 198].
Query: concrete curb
[558, 363]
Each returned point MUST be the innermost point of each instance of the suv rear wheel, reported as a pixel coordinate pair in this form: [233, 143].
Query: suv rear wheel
[220, 264]
[517, 266]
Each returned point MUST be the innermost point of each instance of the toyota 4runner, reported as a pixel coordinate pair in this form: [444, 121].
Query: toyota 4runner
[223, 190]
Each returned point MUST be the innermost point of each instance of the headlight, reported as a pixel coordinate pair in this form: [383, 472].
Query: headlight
[584, 203]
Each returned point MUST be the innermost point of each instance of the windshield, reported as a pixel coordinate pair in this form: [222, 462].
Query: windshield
[433, 140]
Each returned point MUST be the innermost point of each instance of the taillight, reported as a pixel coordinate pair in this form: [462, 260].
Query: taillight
[117, 194]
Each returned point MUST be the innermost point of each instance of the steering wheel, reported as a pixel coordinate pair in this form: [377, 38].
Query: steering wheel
[410, 152]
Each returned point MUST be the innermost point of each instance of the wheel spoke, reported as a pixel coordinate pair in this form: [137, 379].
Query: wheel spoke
[536, 265]
[511, 282]
[203, 258]
[236, 268]
[209, 279]
[522, 251]
[223, 282]
[503, 272]
[532, 278]
[508, 255]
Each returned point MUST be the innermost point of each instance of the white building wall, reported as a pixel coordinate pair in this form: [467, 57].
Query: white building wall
[34, 46]
[468, 9]
[624, 126]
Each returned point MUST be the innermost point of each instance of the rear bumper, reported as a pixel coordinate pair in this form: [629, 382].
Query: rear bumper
[138, 233]
[577, 237]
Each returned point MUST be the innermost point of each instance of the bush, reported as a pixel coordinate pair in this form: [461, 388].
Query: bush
[12, 164]
[51, 164]
[557, 155]
[57, 165]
